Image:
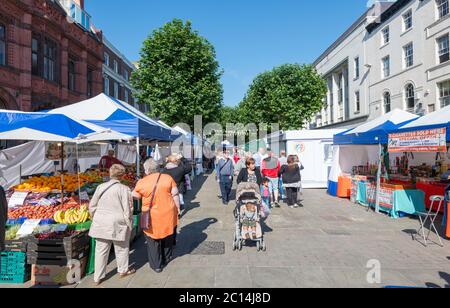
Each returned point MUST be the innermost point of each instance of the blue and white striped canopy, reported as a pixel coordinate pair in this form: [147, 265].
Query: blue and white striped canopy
[119, 116]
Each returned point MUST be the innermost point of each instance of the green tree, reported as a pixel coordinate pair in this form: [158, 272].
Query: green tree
[289, 95]
[178, 75]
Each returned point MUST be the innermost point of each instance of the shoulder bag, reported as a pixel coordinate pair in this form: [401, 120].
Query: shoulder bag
[145, 216]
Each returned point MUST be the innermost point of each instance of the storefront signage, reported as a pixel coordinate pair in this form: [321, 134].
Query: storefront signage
[430, 140]
[53, 151]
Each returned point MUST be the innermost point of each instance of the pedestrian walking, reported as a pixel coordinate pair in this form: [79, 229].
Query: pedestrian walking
[3, 218]
[111, 209]
[259, 156]
[270, 168]
[300, 190]
[290, 174]
[242, 163]
[283, 162]
[224, 174]
[250, 174]
[178, 167]
[160, 210]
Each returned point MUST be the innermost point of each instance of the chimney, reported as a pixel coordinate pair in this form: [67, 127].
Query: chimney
[80, 3]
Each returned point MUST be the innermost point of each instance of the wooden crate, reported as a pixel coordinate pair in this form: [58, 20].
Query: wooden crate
[55, 275]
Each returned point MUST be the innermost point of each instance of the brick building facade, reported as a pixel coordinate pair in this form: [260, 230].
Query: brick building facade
[47, 59]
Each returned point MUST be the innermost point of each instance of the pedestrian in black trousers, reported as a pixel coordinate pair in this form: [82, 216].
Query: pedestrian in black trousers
[290, 174]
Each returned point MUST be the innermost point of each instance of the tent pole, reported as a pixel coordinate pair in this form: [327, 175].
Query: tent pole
[78, 174]
[62, 173]
[138, 158]
[377, 205]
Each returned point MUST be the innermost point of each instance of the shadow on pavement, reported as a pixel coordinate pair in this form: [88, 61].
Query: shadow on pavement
[444, 276]
[191, 236]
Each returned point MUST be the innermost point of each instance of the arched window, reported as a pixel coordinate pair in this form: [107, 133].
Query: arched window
[410, 96]
[387, 102]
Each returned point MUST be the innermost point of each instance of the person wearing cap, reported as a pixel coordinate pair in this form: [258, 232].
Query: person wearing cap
[107, 161]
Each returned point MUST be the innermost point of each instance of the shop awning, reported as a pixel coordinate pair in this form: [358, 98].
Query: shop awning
[119, 116]
[34, 126]
[377, 130]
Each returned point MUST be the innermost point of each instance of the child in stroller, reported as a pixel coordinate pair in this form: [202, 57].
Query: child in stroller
[247, 217]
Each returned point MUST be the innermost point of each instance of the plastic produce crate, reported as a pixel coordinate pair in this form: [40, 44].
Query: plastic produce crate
[14, 268]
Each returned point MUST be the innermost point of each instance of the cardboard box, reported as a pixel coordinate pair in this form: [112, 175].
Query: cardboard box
[53, 275]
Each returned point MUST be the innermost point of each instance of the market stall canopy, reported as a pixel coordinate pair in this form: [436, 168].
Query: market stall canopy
[116, 115]
[192, 138]
[437, 119]
[376, 131]
[34, 126]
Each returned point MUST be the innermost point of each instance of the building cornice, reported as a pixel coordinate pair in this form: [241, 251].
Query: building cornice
[116, 51]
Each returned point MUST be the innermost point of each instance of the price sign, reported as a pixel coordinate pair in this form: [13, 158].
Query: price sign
[28, 227]
[17, 199]
[84, 196]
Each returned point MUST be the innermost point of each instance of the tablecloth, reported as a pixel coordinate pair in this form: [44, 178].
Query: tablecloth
[432, 189]
[406, 201]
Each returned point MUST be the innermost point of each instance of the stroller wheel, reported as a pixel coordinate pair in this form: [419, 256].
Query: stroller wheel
[234, 246]
[258, 246]
[263, 246]
[240, 245]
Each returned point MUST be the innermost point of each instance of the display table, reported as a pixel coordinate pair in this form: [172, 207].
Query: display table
[344, 187]
[393, 198]
[432, 189]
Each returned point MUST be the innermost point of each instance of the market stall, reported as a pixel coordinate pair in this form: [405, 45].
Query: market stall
[362, 168]
[429, 137]
[48, 218]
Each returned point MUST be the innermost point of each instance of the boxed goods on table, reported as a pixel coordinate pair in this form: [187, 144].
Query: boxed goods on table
[58, 248]
[14, 268]
[58, 275]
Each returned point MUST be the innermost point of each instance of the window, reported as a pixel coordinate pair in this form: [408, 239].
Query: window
[386, 63]
[385, 36]
[408, 52]
[116, 90]
[442, 7]
[35, 56]
[357, 102]
[2, 45]
[340, 90]
[387, 102]
[90, 81]
[410, 96]
[80, 15]
[49, 60]
[72, 75]
[407, 20]
[356, 67]
[444, 93]
[126, 75]
[106, 85]
[106, 56]
[443, 49]
[116, 67]
[126, 96]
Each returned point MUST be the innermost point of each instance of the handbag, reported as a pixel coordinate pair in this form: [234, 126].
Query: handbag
[145, 216]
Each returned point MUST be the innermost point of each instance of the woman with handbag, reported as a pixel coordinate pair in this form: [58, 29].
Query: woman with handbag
[160, 210]
[111, 209]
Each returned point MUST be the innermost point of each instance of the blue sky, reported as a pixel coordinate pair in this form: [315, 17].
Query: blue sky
[250, 36]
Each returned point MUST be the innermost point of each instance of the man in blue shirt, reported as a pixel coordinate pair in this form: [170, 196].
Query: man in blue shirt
[224, 175]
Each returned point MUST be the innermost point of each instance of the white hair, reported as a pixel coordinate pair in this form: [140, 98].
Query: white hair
[151, 166]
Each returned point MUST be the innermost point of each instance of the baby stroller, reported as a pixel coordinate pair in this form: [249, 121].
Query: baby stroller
[248, 227]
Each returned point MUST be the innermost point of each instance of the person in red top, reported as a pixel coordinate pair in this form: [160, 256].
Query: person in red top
[270, 168]
[107, 161]
[236, 156]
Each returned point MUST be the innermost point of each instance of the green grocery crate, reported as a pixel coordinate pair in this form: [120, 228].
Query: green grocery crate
[13, 257]
[81, 227]
[15, 278]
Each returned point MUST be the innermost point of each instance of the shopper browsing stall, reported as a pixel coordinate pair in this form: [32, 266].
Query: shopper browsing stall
[111, 210]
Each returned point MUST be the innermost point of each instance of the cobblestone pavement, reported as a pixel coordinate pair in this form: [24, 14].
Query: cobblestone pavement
[328, 243]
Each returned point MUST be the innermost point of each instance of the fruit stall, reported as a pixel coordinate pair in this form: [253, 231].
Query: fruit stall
[50, 229]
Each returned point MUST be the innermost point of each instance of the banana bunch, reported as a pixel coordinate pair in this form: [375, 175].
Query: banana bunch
[72, 216]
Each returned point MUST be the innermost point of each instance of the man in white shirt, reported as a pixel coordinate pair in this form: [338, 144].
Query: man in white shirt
[258, 157]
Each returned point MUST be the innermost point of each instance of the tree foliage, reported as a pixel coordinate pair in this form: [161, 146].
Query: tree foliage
[289, 95]
[178, 75]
